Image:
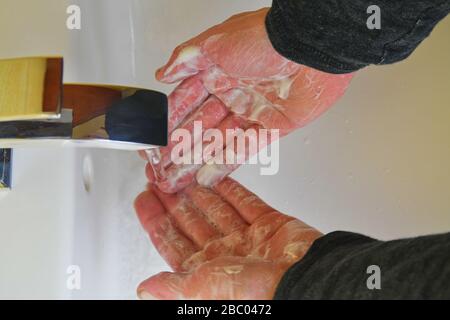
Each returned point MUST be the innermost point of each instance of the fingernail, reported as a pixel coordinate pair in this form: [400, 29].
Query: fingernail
[154, 158]
[144, 295]
[153, 155]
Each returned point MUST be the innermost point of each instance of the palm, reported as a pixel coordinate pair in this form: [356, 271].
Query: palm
[222, 244]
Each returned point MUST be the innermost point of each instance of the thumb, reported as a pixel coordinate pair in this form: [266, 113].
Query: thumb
[163, 286]
[186, 61]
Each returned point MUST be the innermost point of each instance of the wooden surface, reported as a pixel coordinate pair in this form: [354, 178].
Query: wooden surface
[53, 85]
[21, 87]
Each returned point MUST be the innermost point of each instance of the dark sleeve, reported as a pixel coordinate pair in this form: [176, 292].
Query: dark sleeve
[333, 36]
[338, 266]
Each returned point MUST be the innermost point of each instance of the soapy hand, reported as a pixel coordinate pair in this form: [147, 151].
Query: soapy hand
[222, 243]
[231, 77]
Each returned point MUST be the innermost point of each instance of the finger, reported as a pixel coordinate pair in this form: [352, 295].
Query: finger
[150, 173]
[265, 226]
[250, 206]
[146, 154]
[179, 176]
[186, 97]
[257, 108]
[289, 243]
[241, 147]
[218, 212]
[163, 286]
[157, 169]
[235, 244]
[143, 155]
[251, 241]
[186, 60]
[189, 220]
[207, 116]
[216, 81]
[171, 244]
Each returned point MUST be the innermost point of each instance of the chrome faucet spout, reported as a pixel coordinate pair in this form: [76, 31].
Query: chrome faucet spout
[45, 110]
[137, 122]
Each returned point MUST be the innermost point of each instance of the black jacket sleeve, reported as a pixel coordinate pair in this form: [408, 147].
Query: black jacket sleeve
[344, 265]
[333, 36]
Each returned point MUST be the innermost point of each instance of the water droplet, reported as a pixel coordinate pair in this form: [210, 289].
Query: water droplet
[88, 172]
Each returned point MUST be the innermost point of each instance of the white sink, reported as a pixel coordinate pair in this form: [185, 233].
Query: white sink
[73, 207]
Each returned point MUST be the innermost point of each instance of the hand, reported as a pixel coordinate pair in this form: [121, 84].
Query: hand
[222, 243]
[233, 78]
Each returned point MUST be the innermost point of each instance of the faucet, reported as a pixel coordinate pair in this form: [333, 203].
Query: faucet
[49, 111]
[5, 168]
[36, 107]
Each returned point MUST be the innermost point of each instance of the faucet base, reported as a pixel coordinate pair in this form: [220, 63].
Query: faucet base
[5, 168]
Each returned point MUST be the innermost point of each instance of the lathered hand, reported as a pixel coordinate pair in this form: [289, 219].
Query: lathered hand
[231, 77]
[222, 243]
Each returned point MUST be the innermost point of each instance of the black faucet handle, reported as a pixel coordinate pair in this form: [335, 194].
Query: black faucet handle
[140, 118]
